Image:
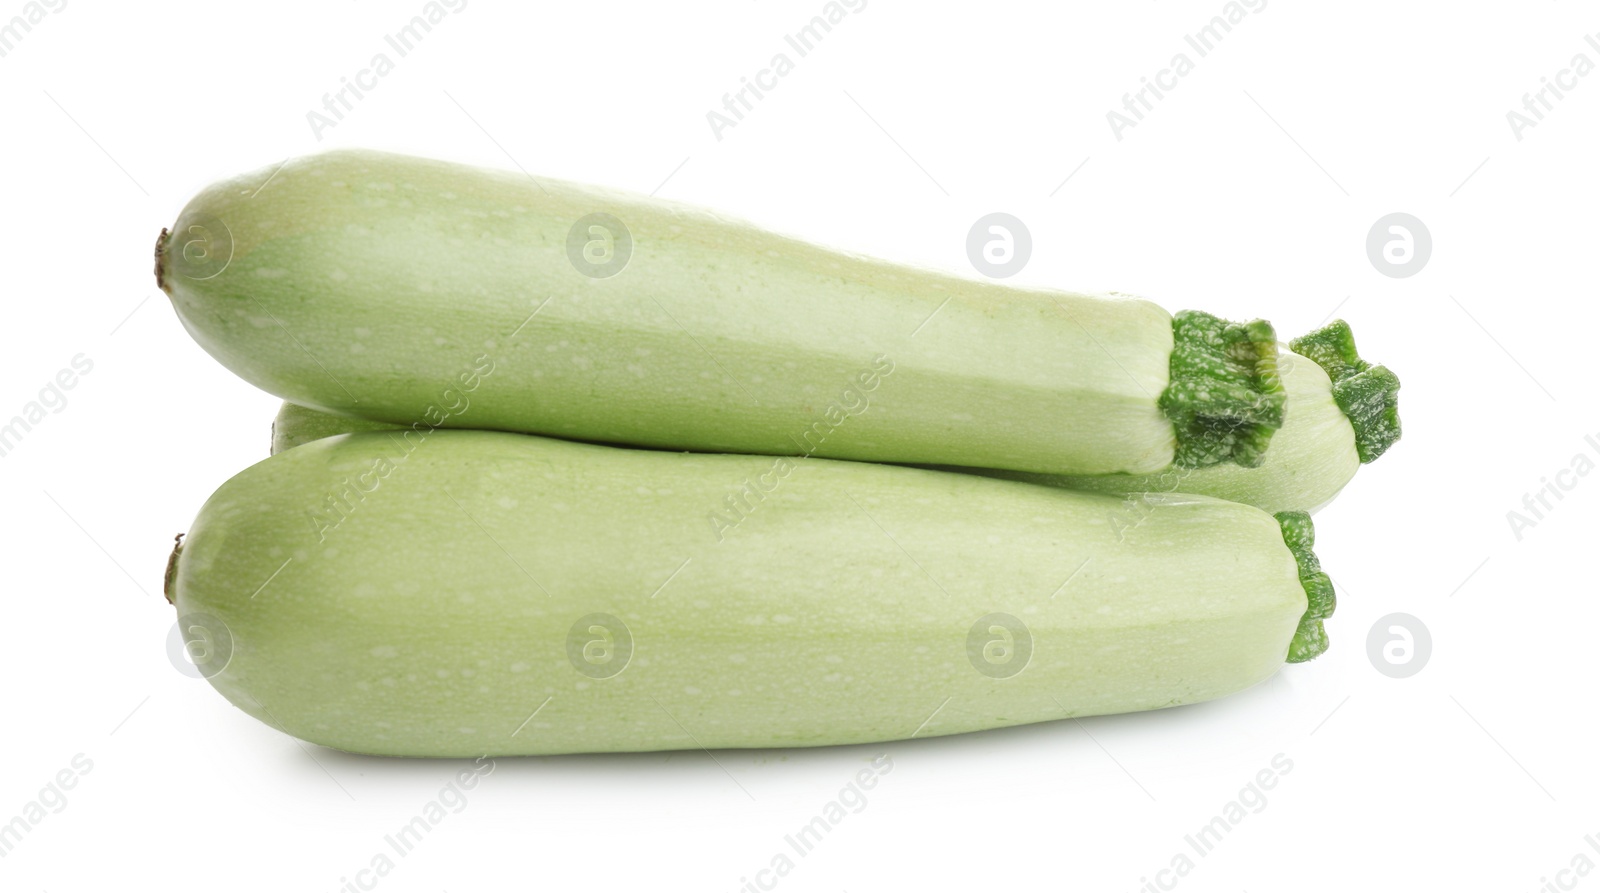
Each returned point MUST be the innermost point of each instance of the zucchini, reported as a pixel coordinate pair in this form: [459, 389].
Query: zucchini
[481, 593]
[1332, 426]
[363, 284]
[1328, 432]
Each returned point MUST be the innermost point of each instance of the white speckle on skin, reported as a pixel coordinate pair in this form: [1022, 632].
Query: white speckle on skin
[385, 651]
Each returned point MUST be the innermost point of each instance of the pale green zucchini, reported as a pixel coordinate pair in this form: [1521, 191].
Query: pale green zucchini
[1331, 427]
[368, 285]
[1313, 456]
[464, 593]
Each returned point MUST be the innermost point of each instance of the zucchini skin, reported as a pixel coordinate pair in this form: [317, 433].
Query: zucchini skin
[296, 424]
[439, 610]
[364, 284]
[1313, 456]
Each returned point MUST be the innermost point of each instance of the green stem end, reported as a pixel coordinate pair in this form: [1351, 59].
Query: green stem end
[161, 258]
[169, 583]
[1224, 394]
[1310, 639]
[1369, 395]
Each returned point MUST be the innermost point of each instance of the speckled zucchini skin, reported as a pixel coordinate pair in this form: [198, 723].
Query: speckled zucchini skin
[366, 284]
[463, 593]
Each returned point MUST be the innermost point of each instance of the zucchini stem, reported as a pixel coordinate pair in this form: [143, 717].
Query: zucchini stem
[161, 258]
[1369, 395]
[1224, 395]
[1310, 638]
[169, 582]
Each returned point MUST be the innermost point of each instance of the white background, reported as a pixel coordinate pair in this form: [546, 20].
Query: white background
[1247, 191]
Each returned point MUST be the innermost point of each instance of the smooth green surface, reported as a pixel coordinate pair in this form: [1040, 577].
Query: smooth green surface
[418, 600]
[1312, 457]
[296, 424]
[368, 284]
